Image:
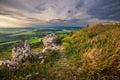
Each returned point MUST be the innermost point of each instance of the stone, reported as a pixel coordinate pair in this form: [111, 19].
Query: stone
[9, 64]
[49, 43]
[21, 51]
[28, 77]
[42, 61]
[1, 63]
[49, 40]
[37, 54]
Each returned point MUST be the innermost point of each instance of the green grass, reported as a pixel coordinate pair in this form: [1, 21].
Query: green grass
[65, 31]
[95, 51]
[5, 43]
[23, 33]
[5, 51]
[34, 40]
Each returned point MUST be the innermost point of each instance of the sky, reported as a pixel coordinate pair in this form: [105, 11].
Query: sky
[24, 13]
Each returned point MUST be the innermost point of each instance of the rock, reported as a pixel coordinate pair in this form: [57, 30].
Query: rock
[28, 77]
[49, 43]
[37, 73]
[37, 55]
[1, 63]
[42, 61]
[21, 51]
[41, 57]
[49, 40]
[9, 64]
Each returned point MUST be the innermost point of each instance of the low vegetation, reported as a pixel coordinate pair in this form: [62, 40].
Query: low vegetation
[92, 53]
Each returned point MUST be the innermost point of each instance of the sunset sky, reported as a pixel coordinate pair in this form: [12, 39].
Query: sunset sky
[24, 13]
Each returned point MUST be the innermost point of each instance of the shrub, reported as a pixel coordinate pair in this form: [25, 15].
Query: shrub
[58, 40]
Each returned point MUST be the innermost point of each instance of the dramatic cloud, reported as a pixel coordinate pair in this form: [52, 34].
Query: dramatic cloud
[105, 9]
[18, 13]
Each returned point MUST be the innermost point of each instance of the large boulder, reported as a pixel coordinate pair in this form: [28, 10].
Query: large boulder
[21, 51]
[49, 43]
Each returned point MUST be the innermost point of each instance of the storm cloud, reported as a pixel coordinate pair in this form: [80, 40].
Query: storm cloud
[57, 12]
[105, 9]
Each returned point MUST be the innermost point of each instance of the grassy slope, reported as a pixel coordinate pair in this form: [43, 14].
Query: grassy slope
[92, 53]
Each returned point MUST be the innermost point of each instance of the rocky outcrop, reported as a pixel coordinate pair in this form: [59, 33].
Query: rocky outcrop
[21, 51]
[49, 43]
[9, 64]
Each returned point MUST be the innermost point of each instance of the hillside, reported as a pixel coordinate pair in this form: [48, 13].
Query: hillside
[92, 53]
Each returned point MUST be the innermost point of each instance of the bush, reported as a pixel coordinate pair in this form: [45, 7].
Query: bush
[58, 40]
[52, 55]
